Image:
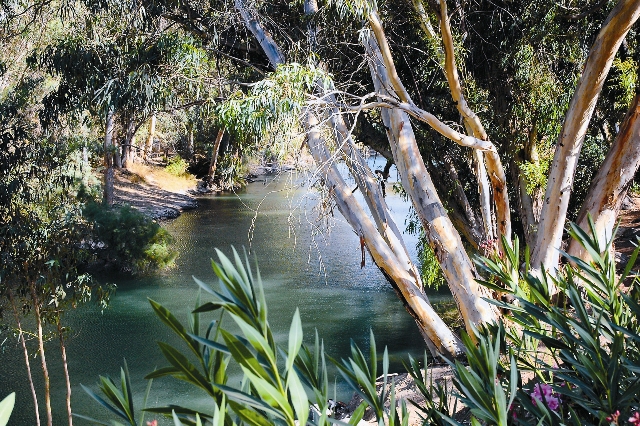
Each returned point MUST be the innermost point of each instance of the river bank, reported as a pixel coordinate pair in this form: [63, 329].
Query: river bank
[154, 192]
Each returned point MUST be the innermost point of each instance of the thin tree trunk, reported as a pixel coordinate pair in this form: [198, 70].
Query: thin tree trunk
[610, 185]
[583, 103]
[108, 160]
[149, 144]
[214, 154]
[65, 365]
[45, 371]
[395, 86]
[23, 342]
[474, 228]
[472, 121]
[484, 193]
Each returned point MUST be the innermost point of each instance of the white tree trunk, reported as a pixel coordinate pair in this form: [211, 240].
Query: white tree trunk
[263, 37]
[439, 336]
[573, 132]
[610, 185]
[443, 237]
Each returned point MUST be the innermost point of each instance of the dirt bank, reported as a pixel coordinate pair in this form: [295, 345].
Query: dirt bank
[153, 194]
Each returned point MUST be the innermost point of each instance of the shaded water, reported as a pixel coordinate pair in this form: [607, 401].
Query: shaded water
[302, 265]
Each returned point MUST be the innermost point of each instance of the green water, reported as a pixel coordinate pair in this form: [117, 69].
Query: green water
[302, 264]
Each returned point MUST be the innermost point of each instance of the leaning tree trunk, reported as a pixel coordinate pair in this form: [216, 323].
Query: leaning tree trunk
[561, 175]
[108, 159]
[443, 237]
[438, 336]
[23, 342]
[610, 185]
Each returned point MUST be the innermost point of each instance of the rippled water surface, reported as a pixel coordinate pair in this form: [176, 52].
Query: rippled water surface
[302, 265]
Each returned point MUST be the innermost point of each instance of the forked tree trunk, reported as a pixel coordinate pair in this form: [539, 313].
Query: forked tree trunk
[556, 199]
[65, 365]
[395, 87]
[610, 185]
[23, 343]
[439, 338]
[108, 160]
[149, 143]
[43, 359]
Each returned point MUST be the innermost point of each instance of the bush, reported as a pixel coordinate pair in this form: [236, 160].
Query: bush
[582, 352]
[177, 166]
[131, 240]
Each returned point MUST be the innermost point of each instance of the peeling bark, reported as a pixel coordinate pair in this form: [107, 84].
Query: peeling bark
[611, 183]
[443, 238]
[565, 160]
[372, 194]
[472, 122]
[478, 140]
[439, 337]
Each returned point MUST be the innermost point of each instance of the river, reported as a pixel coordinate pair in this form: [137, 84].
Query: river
[304, 262]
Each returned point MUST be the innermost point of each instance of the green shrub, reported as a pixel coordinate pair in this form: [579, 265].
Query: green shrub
[131, 240]
[177, 166]
[583, 351]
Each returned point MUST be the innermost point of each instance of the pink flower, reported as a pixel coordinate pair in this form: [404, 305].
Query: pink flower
[543, 393]
[635, 419]
[613, 418]
[152, 423]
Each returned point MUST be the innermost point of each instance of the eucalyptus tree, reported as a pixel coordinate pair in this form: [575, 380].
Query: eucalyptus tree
[398, 106]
